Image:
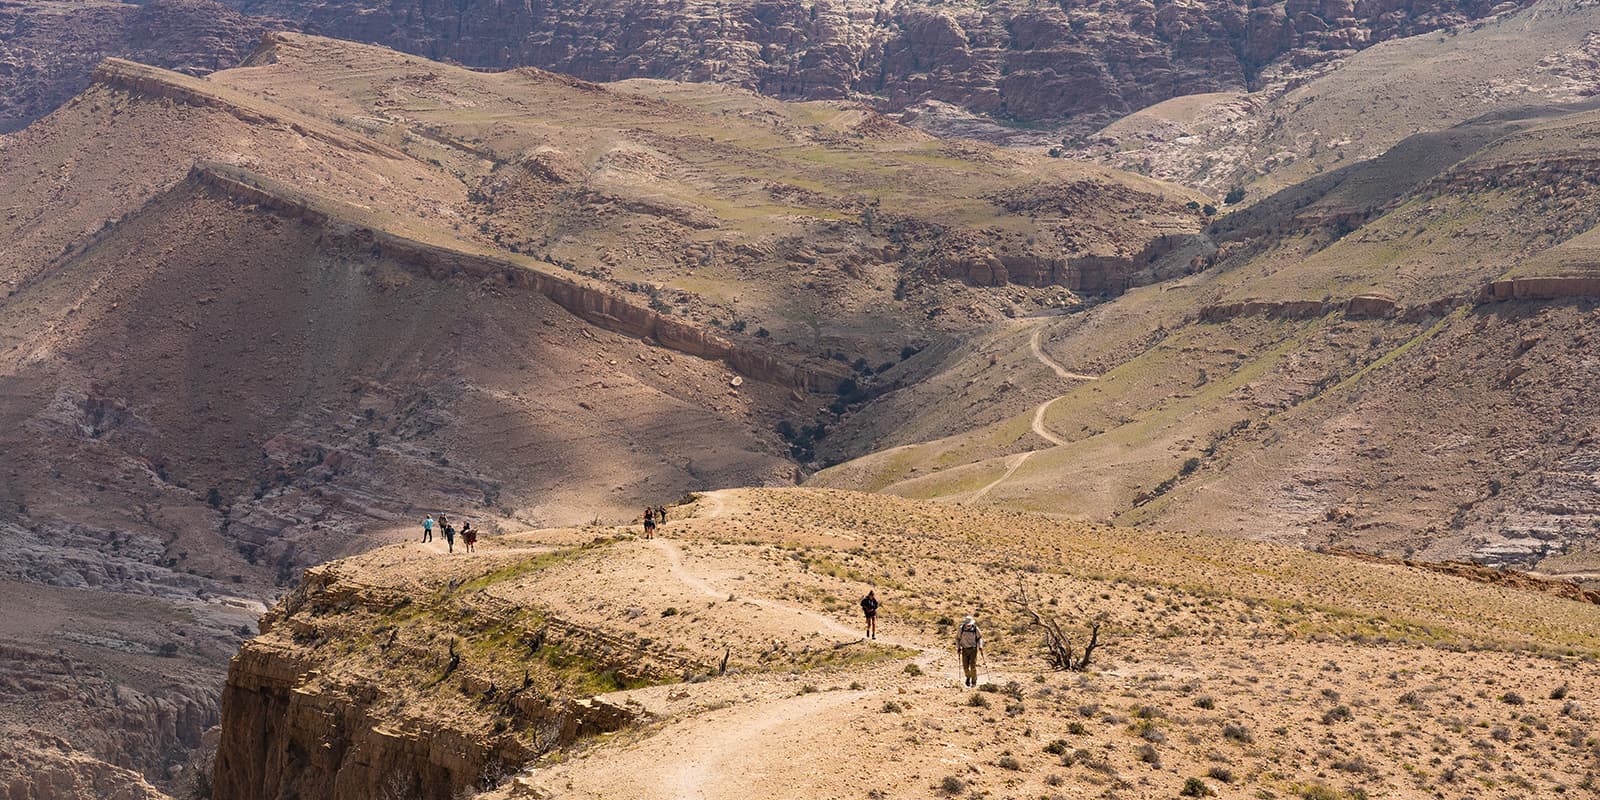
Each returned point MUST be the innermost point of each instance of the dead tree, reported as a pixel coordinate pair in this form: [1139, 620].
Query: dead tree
[1059, 650]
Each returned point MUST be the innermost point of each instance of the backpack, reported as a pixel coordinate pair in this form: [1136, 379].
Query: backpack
[968, 636]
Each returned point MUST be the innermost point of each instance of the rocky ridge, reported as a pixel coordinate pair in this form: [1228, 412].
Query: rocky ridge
[48, 48]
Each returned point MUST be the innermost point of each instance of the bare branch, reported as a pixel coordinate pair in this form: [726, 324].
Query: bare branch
[1059, 651]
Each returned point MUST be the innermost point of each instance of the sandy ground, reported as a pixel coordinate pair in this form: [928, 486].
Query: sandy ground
[1254, 670]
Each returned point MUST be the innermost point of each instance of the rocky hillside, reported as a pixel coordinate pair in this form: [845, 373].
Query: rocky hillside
[259, 320]
[725, 659]
[1393, 357]
[48, 47]
[960, 66]
[1504, 66]
[1010, 60]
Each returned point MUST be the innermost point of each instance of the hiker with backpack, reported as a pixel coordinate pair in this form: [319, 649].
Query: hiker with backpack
[869, 607]
[449, 535]
[469, 537]
[969, 641]
[427, 529]
[649, 522]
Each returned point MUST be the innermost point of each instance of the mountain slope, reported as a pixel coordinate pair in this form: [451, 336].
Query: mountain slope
[1537, 56]
[1391, 358]
[273, 316]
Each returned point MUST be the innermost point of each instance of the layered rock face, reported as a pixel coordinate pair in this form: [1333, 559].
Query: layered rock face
[1014, 60]
[47, 49]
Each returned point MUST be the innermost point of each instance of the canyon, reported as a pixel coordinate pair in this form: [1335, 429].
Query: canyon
[259, 319]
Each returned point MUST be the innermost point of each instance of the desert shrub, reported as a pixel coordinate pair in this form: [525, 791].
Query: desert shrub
[1237, 733]
[1559, 693]
[952, 785]
[1512, 699]
[977, 700]
[1340, 713]
[1317, 791]
[1355, 764]
[1009, 762]
[1149, 755]
[1194, 787]
[1057, 747]
[913, 670]
[1205, 701]
[1077, 728]
[1411, 700]
[1148, 731]
[1220, 774]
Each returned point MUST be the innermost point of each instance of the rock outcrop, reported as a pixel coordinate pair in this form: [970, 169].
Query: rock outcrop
[978, 264]
[1542, 288]
[300, 719]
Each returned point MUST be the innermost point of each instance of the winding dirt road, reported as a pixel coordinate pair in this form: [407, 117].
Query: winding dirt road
[1015, 461]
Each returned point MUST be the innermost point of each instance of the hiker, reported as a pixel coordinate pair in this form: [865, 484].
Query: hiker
[970, 642]
[469, 537]
[450, 536]
[869, 607]
[649, 522]
[661, 515]
[427, 529]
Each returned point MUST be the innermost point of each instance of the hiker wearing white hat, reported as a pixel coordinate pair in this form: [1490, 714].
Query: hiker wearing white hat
[969, 641]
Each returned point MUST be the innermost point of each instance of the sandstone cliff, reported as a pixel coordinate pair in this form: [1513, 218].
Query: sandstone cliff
[304, 716]
[1012, 60]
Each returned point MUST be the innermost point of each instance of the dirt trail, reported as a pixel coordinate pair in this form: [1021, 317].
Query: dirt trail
[1035, 345]
[1038, 423]
[718, 760]
[733, 752]
[1015, 461]
[746, 749]
[825, 624]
